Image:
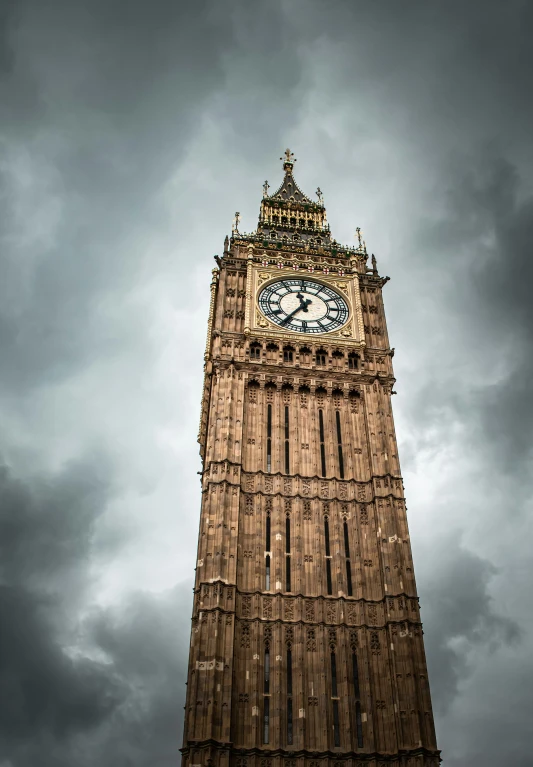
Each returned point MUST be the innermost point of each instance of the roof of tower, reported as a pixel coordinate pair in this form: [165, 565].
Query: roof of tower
[289, 214]
[289, 189]
[291, 221]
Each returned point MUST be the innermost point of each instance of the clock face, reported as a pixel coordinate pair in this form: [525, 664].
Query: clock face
[303, 306]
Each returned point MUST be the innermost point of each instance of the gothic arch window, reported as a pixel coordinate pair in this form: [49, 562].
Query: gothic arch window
[305, 354]
[296, 237]
[353, 361]
[338, 358]
[255, 351]
[272, 351]
[293, 221]
[288, 353]
[284, 220]
[321, 357]
[273, 235]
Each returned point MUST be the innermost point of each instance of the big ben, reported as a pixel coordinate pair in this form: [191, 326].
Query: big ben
[306, 644]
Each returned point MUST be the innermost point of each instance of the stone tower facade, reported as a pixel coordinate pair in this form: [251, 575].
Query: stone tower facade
[306, 646]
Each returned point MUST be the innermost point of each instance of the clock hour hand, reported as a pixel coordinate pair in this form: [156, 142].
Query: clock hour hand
[304, 302]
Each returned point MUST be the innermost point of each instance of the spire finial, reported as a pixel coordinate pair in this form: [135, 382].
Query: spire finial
[358, 234]
[320, 195]
[266, 186]
[236, 220]
[288, 160]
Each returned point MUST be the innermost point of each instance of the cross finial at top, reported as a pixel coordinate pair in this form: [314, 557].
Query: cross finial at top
[289, 157]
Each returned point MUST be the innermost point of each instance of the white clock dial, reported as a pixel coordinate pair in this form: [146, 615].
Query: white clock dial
[303, 306]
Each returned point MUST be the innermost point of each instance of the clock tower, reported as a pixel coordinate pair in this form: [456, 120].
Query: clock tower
[306, 645]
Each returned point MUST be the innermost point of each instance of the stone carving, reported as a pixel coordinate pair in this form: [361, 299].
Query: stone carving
[246, 607]
[267, 607]
[309, 611]
[351, 613]
[245, 636]
[289, 610]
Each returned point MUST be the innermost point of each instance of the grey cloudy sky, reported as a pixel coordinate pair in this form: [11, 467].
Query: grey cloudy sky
[129, 135]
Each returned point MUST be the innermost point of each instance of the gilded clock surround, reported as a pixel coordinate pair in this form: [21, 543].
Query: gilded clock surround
[258, 277]
[358, 694]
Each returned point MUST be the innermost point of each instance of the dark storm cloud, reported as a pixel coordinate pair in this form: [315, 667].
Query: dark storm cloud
[45, 539]
[127, 677]
[458, 612]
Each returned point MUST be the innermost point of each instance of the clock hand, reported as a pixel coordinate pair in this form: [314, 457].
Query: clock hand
[291, 315]
[304, 303]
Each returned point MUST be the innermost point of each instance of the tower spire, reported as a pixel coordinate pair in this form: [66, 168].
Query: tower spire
[288, 161]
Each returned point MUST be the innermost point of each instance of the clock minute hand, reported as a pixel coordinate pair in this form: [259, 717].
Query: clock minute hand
[291, 315]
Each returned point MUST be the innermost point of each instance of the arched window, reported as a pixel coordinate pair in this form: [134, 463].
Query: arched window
[255, 351]
[353, 361]
[272, 351]
[321, 357]
[305, 354]
[288, 354]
